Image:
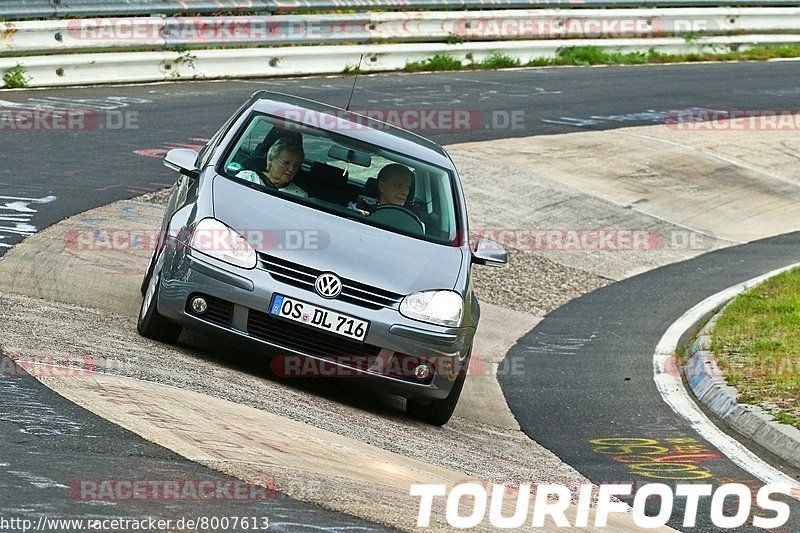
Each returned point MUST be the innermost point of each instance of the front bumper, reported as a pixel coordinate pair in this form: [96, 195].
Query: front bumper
[241, 298]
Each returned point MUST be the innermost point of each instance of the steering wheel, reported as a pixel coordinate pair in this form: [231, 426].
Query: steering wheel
[390, 215]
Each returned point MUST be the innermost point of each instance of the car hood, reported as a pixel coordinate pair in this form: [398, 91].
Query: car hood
[327, 242]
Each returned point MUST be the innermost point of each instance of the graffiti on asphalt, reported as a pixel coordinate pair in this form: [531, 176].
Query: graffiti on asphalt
[676, 458]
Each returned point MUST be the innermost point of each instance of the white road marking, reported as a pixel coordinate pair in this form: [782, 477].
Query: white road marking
[37, 481]
[21, 215]
[677, 397]
[53, 103]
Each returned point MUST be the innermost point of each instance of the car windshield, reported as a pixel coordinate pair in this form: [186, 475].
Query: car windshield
[345, 177]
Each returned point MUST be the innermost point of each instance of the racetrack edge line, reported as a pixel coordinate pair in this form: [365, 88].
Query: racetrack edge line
[675, 395]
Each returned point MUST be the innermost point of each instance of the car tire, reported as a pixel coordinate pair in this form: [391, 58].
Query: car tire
[438, 412]
[151, 324]
[150, 265]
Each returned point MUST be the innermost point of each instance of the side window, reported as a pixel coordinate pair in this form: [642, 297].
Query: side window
[442, 209]
[208, 150]
[248, 152]
[253, 138]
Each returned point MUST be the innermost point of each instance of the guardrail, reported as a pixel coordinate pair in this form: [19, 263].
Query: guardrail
[77, 69]
[67, 52]
[33, 9]
[163, 33]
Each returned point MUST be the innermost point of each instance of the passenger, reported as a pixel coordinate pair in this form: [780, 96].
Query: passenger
[283, 161]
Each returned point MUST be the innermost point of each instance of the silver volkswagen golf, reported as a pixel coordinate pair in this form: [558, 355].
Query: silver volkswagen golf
[337, 243]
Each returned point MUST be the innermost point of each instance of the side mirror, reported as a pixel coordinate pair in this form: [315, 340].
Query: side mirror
[488, 252]
[182, 160]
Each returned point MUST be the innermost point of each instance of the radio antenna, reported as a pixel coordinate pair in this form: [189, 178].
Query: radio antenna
[353, 90]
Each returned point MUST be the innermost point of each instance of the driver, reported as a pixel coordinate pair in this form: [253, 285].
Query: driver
[394, 185]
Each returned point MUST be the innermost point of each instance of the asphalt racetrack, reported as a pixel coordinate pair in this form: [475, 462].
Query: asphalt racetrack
[589, 372]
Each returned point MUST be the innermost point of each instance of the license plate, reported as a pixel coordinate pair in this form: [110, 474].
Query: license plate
[318, 317]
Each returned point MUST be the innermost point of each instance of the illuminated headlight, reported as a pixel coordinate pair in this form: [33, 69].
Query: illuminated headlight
[437, 307]
[212, 237]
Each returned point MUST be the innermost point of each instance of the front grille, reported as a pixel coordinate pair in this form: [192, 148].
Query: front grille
[352, 291]
[304, 339]
[219, 312]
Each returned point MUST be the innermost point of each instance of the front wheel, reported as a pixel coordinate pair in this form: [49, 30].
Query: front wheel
[151, 324]
[438, 412]
[151, 263]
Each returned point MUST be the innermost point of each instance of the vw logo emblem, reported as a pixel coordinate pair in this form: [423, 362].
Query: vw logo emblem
[328, 285]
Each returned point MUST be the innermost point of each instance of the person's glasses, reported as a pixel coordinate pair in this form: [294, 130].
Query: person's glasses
[288, 164]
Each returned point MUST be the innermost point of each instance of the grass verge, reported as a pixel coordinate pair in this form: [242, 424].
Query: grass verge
[595, 55]
[437, 62]
[441, 62]
[756, 342]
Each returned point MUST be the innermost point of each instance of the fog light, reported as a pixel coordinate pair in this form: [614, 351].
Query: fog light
[422, 372]
[199, 305]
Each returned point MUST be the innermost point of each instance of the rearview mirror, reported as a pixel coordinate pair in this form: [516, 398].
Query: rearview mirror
[182, 160]
[351, 156]
[488, 252]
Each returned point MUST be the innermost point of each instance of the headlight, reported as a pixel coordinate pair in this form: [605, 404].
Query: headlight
[212, 237]
[437, 307]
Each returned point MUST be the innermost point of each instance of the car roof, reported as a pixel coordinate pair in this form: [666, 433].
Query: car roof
[352, 124]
